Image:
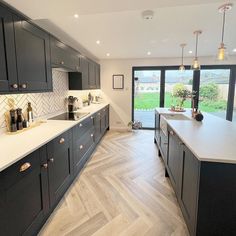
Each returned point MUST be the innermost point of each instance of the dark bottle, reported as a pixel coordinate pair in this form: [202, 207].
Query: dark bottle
[19, 121]
[13, 127]
[30, 113]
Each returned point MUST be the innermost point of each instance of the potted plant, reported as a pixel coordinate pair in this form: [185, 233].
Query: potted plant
[134, 125]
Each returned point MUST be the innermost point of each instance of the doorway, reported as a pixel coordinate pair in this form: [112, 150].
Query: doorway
[146, 95]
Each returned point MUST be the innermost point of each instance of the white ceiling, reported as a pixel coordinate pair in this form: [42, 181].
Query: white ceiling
[124, 34]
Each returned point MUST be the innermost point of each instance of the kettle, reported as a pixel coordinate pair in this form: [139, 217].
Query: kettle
[71, 103]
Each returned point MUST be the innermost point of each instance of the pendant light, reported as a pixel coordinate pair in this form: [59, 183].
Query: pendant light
[196, 64]
[182, 67]
[222, 49]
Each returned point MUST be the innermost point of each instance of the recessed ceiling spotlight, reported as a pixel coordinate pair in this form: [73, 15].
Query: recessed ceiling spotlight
[98, 42]
[234, 50]
[149, 53]
[76, 15]
[190, 52]
[108, 54]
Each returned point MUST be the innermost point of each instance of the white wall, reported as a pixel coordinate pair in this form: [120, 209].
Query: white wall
[120, 101]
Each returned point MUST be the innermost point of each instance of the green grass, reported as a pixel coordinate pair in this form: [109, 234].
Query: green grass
[152, 100]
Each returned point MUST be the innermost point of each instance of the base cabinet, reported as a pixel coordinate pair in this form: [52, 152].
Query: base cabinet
[24, 195]
[31, 188]
[60, 169]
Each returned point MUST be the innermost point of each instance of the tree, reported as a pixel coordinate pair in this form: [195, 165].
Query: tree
[209, 91]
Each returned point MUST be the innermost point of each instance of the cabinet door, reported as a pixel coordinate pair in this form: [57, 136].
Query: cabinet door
[85, 73]
[8, 76]
[157, 127]
[59, 166]
[189, 188]
[24, 196]
[107, 117]
[92, 75]
[163, 146]
[33, 57]
[174, 160]
[97, 124]
[97, 76]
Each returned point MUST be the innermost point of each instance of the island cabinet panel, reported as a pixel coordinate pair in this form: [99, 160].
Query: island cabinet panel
[60, 168]
[8, 75]
[24, 195]
[189, 188]
[163, 146]
[157, 127]
[216, 204]
[175, 160]
[33, 57]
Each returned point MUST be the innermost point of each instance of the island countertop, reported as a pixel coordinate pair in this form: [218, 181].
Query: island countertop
[212, 140]
[16, 146]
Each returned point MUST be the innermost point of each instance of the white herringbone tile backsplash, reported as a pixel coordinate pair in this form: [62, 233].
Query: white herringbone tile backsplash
[42, 103]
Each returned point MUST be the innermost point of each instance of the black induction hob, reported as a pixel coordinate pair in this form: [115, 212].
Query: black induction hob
[70, 116]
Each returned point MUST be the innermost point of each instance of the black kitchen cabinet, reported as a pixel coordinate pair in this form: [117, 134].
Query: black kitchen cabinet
[157, 127]
[104, 119]
[174, 160]
[97, 124]
[24, 195]
[60, 166]
[189, 188]
[163, 147]
[97, 76]
[32, 56]
[63, 56]
[8, 76]
[92, 75]
[83, 141]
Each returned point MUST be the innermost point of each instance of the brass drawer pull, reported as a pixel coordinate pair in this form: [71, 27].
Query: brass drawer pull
[91, 117]
[62, 140]
[80, 125]
[45, 166]
[81, 147]
[51, 160]
[62, 62]
[171, 132]
[25, 167]
[91, 135]
[165, 143]
[99, 114]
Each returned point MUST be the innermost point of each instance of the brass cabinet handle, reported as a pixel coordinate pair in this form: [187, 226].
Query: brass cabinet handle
[91, 135]
[91, 117]
[51, 160]
[15, 86]
[165, 143]
[99, 114]
[81, 147]
[24, 86]
[45, 165]
[80, 125]
[171, 132]
[25, 167]
[62, 62]
[77, 67]
[62, 140]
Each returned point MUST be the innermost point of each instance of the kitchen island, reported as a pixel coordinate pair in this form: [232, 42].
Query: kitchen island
[200, 160]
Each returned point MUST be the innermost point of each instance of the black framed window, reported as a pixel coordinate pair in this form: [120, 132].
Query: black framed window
[214, 84]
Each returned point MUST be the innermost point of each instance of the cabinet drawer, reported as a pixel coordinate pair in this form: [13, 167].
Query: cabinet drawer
[163, 145]
[81, 147]
[83, 127]
[19, 170]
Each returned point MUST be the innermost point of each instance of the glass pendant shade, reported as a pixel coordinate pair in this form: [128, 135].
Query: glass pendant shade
[196, 65]
[222, 54]
[182, 68]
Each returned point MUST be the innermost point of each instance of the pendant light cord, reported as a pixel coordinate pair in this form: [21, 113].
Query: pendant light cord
[223, 27]
[182, 55]
[196, 45]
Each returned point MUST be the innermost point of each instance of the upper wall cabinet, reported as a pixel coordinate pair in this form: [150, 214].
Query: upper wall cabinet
[63, 56]
[8, 76]
[32, 56]
[24, 55]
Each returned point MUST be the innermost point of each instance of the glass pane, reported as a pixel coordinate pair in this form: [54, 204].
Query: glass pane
[214, 88]
[146, 96]
[176, 80]
[234, 112]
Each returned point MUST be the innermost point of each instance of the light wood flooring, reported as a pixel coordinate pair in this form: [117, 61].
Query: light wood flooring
[122, 191]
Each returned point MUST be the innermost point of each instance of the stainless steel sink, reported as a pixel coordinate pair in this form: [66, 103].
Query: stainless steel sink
[175, 117]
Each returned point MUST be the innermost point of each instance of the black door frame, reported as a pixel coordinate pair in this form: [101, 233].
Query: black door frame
[196, 84]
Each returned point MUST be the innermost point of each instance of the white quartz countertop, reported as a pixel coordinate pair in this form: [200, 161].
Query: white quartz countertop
[213, 139]
[17, 146]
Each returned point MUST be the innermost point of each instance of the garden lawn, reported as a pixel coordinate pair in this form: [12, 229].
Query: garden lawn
[148, 101]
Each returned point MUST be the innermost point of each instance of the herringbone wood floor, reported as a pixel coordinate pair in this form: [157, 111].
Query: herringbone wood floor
[122, 191]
